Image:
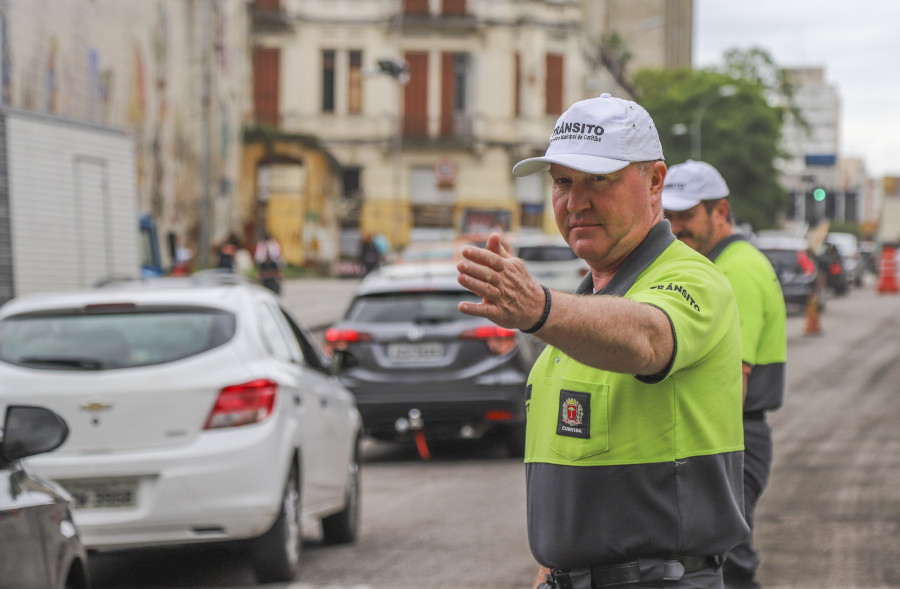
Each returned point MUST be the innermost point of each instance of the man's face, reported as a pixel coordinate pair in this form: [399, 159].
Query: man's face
[696, 226]
[605, 216]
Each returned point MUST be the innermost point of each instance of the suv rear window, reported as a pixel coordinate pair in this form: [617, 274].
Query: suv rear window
[416, 307]
[783, 259]
[87, 341]
[546, 253]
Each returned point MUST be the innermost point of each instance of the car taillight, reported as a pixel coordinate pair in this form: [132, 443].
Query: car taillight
[243, 404]
[808, 266]
[339, 339]
[499, 340]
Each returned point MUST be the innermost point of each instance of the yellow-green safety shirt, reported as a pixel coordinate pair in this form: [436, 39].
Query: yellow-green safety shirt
[621, 467]
[760, 303]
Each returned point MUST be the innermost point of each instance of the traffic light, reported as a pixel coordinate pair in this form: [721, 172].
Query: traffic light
[819, 194]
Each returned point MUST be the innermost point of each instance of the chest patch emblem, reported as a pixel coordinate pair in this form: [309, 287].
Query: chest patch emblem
[574, 414]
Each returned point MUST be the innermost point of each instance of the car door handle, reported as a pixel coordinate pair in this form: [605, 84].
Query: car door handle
[298, 400]
[323, 401]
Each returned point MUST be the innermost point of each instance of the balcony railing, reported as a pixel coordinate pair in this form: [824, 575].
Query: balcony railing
[456, 128]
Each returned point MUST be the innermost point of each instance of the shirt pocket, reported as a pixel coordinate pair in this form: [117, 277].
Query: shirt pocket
[581, 420]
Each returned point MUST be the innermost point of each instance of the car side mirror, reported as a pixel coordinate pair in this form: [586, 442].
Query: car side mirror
[29, 430]
[342, 360]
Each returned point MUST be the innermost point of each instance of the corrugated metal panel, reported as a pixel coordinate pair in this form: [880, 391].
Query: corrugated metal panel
[73, 203]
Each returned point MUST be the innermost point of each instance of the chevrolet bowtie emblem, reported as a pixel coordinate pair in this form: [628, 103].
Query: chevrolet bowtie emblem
[95, 406]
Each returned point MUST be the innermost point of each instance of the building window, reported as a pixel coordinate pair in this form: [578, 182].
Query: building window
[352, 195]
[351, 180]
[453, 7]
[530, 192]
[415, 6]
[454, 94]
[266, 73]
[554, 90]
[268, 5]
[354, 83]
[415, 95]
[328, 80]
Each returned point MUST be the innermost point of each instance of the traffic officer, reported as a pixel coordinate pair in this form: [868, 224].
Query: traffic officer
[695, 202]
[634, 446]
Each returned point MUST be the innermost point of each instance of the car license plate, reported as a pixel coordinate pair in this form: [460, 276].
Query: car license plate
[423, 352]
[103, 494]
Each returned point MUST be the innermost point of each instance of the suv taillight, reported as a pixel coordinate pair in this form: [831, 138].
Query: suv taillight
[243, 404]
[809, 267]
[499, 340]
[339, 339]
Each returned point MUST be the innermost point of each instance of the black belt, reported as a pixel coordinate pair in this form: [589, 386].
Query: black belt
[755, 415]
[661, 569]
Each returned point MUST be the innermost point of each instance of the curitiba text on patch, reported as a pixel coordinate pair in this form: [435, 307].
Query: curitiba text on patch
[679, 289]
[579, 131]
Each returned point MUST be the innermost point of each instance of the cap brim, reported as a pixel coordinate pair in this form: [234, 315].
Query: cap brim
[589, 164]
[678, 202]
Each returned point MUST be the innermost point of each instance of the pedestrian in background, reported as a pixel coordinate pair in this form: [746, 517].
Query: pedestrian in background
[269, 262]
[634, 442]
[695, 202]
[226, 250]
[369, 256]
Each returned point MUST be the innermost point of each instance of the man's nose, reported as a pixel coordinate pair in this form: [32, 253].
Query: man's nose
[579, 199]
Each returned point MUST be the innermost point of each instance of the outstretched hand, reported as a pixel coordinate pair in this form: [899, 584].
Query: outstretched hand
[510, 296]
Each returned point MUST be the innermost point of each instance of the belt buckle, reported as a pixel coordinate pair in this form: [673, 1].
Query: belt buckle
[560, 579]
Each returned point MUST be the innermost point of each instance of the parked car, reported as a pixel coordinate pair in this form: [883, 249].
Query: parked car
[441, 250]
[797, 269]
[39, 543]
[405, 346]
[201, 411]
[551, 261]
[847, 245]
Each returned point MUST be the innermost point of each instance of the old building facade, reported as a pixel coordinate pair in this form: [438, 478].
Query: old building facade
[427, 104]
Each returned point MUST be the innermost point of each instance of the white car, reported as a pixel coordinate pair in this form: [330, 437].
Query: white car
[199, 409]
[551, 261]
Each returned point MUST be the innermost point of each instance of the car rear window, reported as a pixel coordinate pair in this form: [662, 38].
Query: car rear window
[416, 307]
[88, 341]
[546, 253]
[783, 259]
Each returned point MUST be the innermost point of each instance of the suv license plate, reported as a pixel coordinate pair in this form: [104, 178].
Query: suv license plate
[102, 494]
[416, 352]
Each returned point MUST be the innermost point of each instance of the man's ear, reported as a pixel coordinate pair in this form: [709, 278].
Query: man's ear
[656, 176]
[723, 208]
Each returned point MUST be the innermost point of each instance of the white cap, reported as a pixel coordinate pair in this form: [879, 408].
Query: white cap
[691, 182]
[598, 136]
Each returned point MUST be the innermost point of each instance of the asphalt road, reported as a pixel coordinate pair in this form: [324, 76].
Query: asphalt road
[829, 519]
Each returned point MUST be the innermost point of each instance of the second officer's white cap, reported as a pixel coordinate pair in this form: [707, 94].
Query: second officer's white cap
[691, 182]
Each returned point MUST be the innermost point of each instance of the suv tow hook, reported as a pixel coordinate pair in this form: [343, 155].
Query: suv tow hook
[416, 424]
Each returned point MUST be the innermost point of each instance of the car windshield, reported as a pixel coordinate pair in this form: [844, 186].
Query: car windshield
[85, 341]
[416, 307]
[546, 253]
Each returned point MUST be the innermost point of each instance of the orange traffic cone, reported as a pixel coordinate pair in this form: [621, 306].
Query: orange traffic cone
[813, 326]
[887, 271]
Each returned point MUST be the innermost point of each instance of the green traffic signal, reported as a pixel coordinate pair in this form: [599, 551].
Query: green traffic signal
[819, 194]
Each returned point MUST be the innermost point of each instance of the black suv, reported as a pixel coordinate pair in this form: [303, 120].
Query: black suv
[797, 268]
[404, 346]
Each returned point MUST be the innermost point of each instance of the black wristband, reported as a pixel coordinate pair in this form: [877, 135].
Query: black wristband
[546, 314]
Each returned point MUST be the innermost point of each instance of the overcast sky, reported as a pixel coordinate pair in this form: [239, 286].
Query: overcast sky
[857, 42]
